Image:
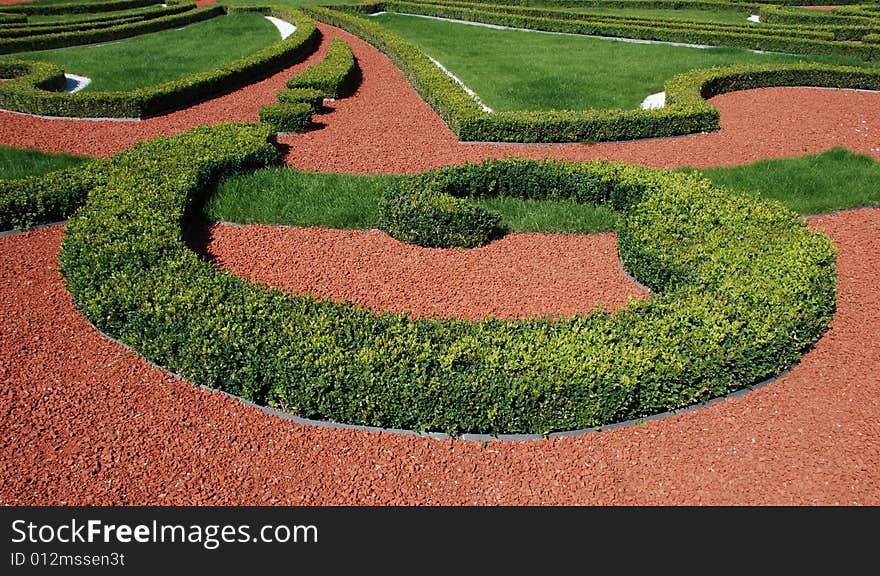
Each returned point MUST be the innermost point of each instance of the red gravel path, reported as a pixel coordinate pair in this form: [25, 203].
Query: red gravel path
[87, 422]
[84, 421]
[508, 278]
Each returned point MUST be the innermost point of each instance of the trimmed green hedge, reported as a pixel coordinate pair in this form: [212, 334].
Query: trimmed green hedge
[686, 110]
[76, 7]
[314, 98]
[742, 290]
[416, 213]
[288, 116]
[713, 33]
[106, 34]
[335, 76]
[12, 18]
[42, 30]
[26, 93]
[28, 202]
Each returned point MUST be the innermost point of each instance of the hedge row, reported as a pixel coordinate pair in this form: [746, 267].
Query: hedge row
[726, 5]
[637, 21]
[849, 30]
[24, 93]
[76, 7]
[742, 290]
[755, 40]
[31, 201]
[107, 34]
[93, 24]
[336, 76]
[288, 116]
[644, 4]
[780, 15]
[105, 16]
[686, 110]
[6, 19]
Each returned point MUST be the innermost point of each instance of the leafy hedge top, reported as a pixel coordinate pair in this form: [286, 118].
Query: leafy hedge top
[743, 288]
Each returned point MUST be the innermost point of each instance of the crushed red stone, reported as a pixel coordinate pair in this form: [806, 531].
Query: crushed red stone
[85, 421]
[508, 278]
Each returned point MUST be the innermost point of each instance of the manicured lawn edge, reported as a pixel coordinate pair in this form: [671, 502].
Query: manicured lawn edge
[33, 86]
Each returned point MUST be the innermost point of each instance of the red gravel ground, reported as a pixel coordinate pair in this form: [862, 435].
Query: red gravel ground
[85, 421]
[509, 278]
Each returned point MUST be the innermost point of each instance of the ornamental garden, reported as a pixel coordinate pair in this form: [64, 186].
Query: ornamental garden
[740, 288]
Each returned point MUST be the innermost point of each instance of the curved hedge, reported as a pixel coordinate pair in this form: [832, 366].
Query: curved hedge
[63, 39]
[74, 7]
[743, 289]
[61, 34]
[336, 75]
[27, 92]
[686, 110]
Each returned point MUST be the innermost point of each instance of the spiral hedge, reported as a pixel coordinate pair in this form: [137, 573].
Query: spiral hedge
[741, 290]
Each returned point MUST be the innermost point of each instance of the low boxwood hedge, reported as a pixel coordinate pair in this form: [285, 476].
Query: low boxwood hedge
[27, 92]
[686, 110]
[288, 116]
[672, 27]
[314, 98]
[73, 7]
[335, 76]
[756, 39]
[742, 288]
[53, 197]
[44, 33]
[63, 39]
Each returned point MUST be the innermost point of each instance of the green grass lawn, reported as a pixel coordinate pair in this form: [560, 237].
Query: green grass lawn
[814, 184]
[516, 70]
[837, 179]
[154, 58]
[20, 163]
[704, 16]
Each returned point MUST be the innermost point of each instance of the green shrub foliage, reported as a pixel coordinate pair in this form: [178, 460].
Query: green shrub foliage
[74, 7]
[741, 289]
[61, 38]
[335, 76]
[27, 202]
[288, 116]
[314, 98]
